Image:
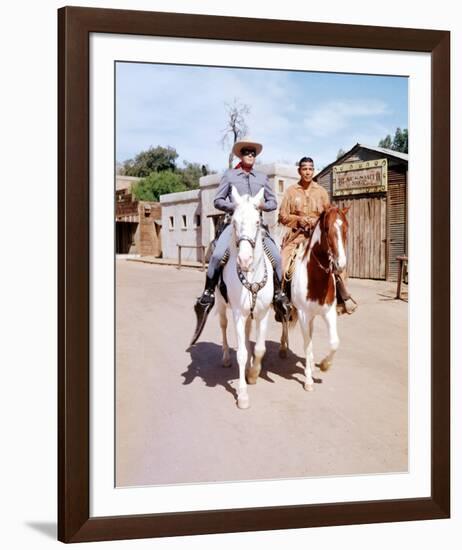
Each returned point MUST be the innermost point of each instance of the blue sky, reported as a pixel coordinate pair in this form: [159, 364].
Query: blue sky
[293, 114]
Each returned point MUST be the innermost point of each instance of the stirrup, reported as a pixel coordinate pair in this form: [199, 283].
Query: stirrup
[343, 308]
[282, 308]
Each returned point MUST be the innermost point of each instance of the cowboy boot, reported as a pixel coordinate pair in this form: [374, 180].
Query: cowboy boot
[281, 302]
[343, 296]
[204, 304]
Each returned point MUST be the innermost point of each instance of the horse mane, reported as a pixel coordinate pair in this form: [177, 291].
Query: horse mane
[325, 220]
[329, 227]
[319, 222]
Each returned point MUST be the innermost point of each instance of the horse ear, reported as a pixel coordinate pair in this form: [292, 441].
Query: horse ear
[345, 210]
[258, 200]
[236, 197]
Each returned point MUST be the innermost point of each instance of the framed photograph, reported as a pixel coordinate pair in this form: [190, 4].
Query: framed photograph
[164, 120]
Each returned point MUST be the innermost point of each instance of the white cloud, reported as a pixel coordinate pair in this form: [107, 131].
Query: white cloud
[185, 108]
[333, 116]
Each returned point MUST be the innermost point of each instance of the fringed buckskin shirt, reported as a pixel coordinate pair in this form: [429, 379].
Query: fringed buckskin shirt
[299, 203]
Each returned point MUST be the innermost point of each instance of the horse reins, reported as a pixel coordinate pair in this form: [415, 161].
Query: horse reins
[327, 270]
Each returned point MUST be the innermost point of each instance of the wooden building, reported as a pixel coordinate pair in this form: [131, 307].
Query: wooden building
[372, 182]
[190, 219]
[138, 223]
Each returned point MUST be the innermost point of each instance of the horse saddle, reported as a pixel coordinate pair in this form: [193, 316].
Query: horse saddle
[289, 272]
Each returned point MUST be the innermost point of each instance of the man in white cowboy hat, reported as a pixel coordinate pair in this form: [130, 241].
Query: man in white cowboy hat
[248, 181]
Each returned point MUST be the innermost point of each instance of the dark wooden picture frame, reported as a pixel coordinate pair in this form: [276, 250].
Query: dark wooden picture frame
[74, 521]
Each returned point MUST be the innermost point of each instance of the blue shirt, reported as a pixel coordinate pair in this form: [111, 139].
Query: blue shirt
[246, 183]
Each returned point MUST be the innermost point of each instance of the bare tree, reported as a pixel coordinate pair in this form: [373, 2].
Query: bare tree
[236, 126]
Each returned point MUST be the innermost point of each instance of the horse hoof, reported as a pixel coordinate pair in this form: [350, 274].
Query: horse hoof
[325, 365]
[243, 402]
[283, 353]
[308, 387]
[251, 376]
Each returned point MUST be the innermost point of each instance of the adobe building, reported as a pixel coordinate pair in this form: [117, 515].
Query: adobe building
[190, 219]
[138, 223]
[372, 182]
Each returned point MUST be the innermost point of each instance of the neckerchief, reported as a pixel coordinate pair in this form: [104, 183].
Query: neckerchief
[242, 167]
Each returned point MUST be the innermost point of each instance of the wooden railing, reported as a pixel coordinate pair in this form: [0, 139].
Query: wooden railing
[180, 246]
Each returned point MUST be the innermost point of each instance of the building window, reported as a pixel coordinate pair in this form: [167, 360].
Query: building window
[183, 222]
[171, 222]
[198, 220]
[281, 186]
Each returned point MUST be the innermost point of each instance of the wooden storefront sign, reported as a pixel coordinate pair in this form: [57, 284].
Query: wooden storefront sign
[357, 178]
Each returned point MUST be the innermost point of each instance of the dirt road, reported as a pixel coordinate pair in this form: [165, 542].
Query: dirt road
[176, 415]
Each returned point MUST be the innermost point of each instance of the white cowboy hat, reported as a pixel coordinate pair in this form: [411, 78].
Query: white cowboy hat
[246, 143]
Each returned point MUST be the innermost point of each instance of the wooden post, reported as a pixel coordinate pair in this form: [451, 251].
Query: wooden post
[203, 258]
[179, 256]
[401, 260]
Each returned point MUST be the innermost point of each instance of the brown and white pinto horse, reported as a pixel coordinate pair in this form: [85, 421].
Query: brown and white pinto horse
[313, 285]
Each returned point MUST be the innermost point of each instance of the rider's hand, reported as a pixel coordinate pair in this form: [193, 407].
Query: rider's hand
[306, 222]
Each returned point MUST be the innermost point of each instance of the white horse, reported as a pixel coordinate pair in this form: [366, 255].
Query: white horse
[313, 285]
[248, 275]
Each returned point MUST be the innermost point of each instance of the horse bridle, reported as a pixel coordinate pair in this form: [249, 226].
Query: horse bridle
[331, 268]
[248, 239]
[327, 270]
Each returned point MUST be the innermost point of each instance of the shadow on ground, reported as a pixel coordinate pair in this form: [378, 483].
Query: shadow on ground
[290, 368]
[390, 295]
[206, 364]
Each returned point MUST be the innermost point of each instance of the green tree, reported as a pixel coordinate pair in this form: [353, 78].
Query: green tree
[386, 142]
[398, 143]
[400, 140]
[158, 183]
[191, 173]
[154, 159]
